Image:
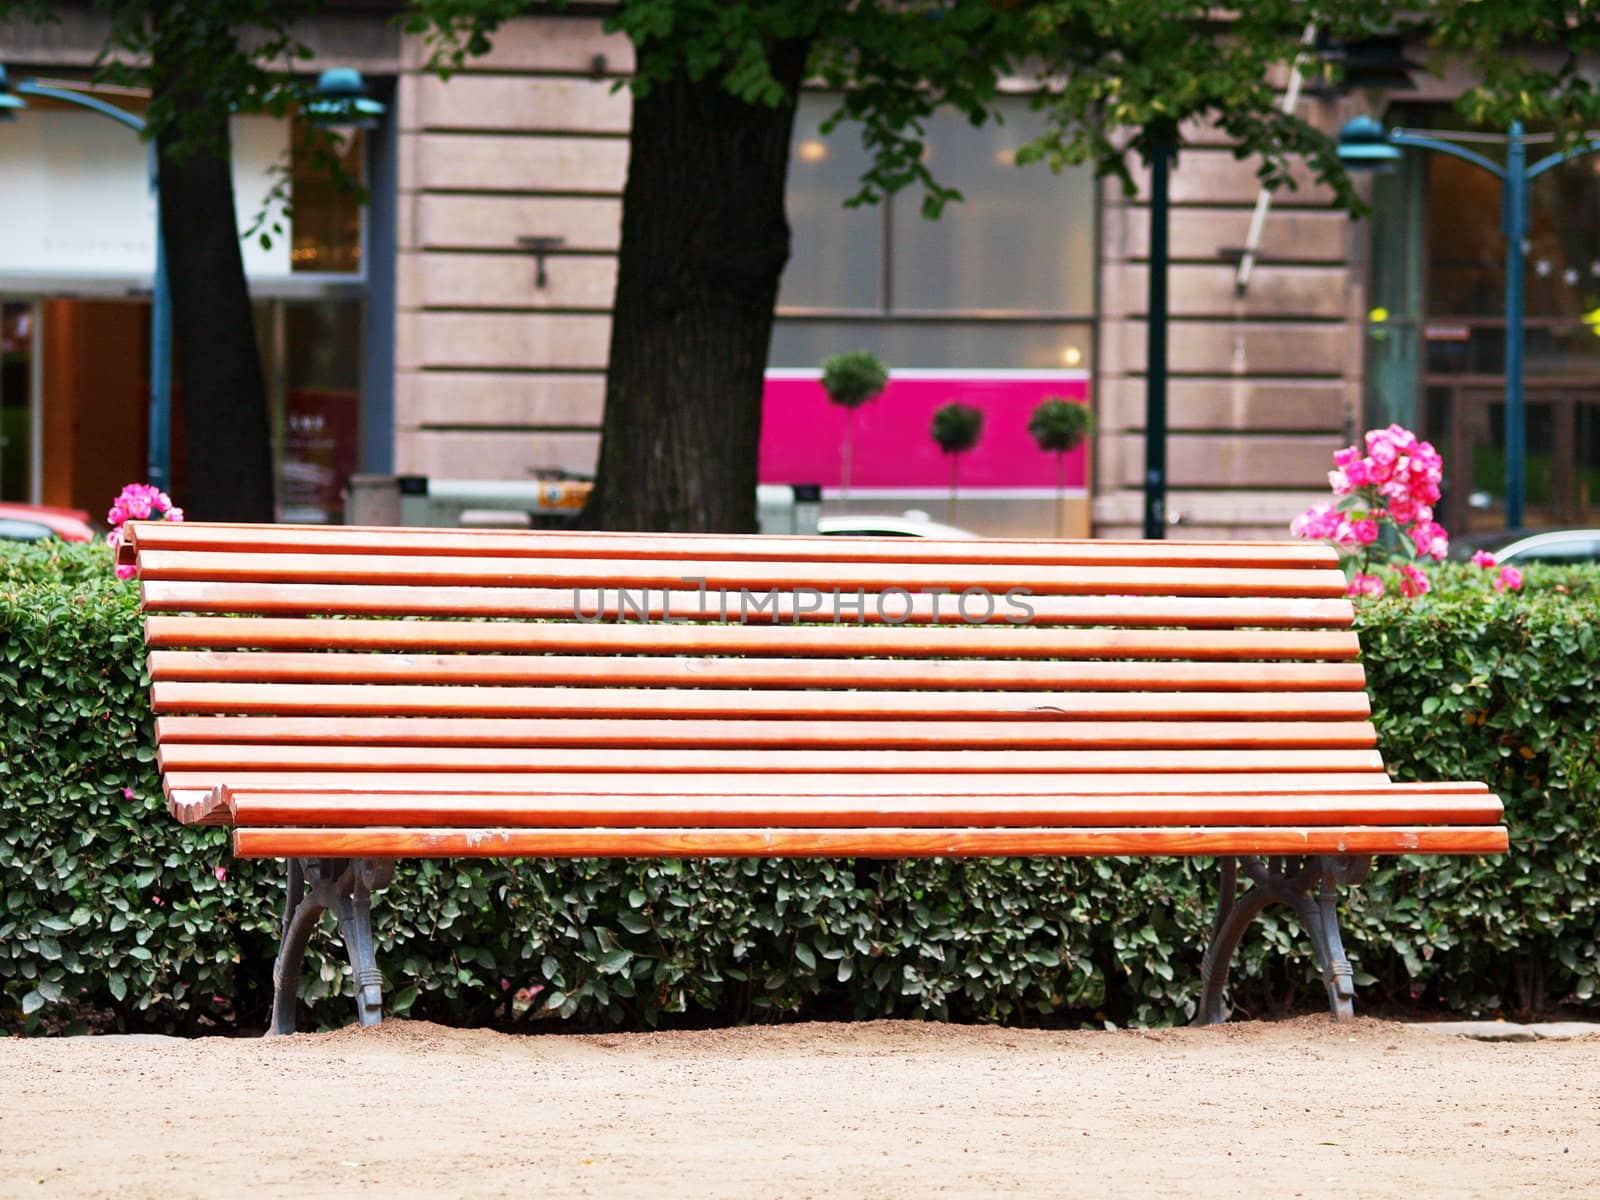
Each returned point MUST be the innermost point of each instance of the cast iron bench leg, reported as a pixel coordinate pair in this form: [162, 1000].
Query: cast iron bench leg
[345, 886]
[1310, 887]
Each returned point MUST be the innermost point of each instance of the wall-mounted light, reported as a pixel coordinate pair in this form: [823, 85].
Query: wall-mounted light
[1072, 356]
[541, 245]
[811, 150]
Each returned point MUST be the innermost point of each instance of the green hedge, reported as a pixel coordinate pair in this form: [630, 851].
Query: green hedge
[112, 915]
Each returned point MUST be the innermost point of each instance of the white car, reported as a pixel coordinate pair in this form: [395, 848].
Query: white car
[913, 523]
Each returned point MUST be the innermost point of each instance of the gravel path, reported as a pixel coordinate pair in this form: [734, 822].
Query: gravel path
[1370, 1110]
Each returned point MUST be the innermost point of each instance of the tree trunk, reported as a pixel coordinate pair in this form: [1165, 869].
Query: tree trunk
[219, 366]
[704, 242]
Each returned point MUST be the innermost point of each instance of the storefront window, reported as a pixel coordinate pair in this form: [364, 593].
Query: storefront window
[1437, 326]
[311, 352]
[326, 210]
[1020, 244]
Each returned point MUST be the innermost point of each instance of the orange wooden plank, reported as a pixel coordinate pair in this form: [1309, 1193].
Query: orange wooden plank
[778, 640]
[752, 607]
[223, 732]
[195, 798]
[433, 571]
[339, 699]
[816, 783]
[187, 757]
[866, 843]
[1065, 810]
[322, 539]
[268, 666]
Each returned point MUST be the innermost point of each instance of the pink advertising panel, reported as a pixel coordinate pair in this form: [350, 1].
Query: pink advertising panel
[801, 432]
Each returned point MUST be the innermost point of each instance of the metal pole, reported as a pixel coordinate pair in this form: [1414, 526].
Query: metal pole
[159, 459]
[1515, 224]
[1155, 379]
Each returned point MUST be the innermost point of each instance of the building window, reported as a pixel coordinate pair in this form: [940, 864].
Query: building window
[326, 227]
[1005, 278]
[1436, 328]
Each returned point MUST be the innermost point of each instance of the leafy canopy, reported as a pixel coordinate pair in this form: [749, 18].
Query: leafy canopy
[1059, 425]
[957, 427]
[854, 377]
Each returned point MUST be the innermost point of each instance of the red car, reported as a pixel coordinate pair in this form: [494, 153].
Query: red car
[36, 522]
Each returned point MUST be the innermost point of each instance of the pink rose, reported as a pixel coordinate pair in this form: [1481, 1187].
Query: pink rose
[1430, 540]
[1483, 559]
[1364, 532]
[1509, 580]
[174, 513]
[1364, 585]
[222, 874]
[1318, 521]
[125, 571]
[127, 793]
[1413, 582]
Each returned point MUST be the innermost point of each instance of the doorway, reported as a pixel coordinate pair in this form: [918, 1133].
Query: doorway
[1467, 423]
[18, 401]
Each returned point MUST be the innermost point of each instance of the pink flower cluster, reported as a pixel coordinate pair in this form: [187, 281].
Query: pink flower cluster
[1396, 481]
[1509, 579]
[138, 502]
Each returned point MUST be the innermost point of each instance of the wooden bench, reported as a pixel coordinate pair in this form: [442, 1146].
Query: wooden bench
[573, 694]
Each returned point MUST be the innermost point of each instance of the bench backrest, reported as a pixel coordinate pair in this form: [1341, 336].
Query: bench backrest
[1195, 665]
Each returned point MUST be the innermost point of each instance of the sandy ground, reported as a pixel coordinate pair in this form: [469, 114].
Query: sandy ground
[1304, 1108]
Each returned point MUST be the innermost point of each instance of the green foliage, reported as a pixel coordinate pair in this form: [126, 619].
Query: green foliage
[112, 914]
[854, 377]
[957, 427]
[1059, 425]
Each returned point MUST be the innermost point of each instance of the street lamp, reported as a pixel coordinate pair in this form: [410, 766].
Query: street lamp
[339, 100]
[1365, 145]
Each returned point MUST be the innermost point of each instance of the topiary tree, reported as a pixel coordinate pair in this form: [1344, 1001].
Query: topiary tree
[957, 428]
[1058, 426]
[852, 379]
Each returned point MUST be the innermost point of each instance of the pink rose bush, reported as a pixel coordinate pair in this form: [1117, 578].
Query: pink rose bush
[138, 502]
[1395, 483]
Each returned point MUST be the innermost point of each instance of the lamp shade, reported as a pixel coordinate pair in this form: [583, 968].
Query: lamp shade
[1364, 143]
[340, 100]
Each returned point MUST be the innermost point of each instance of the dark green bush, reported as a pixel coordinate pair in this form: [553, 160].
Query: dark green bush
[113, 915]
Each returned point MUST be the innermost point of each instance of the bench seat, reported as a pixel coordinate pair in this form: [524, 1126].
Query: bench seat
[344, 697]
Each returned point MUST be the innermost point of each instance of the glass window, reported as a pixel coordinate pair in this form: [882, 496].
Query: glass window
[311, 352]
[326, 222]
[1022, 240]
[836, 253]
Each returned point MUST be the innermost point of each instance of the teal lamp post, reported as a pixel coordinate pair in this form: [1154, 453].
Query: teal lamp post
[339, 100]
[1364, 144]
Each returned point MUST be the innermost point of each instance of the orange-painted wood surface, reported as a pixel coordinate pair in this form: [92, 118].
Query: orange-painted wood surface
[866, 843]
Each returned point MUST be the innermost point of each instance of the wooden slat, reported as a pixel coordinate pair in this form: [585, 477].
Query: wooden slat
[230, 759]
[387, 842]
[320, 539]
[700, 671]
[220, 732]
[195, 798]
[779, 640]
[339, 699]
[608, 605]
[1065, 810]
[440, 571]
